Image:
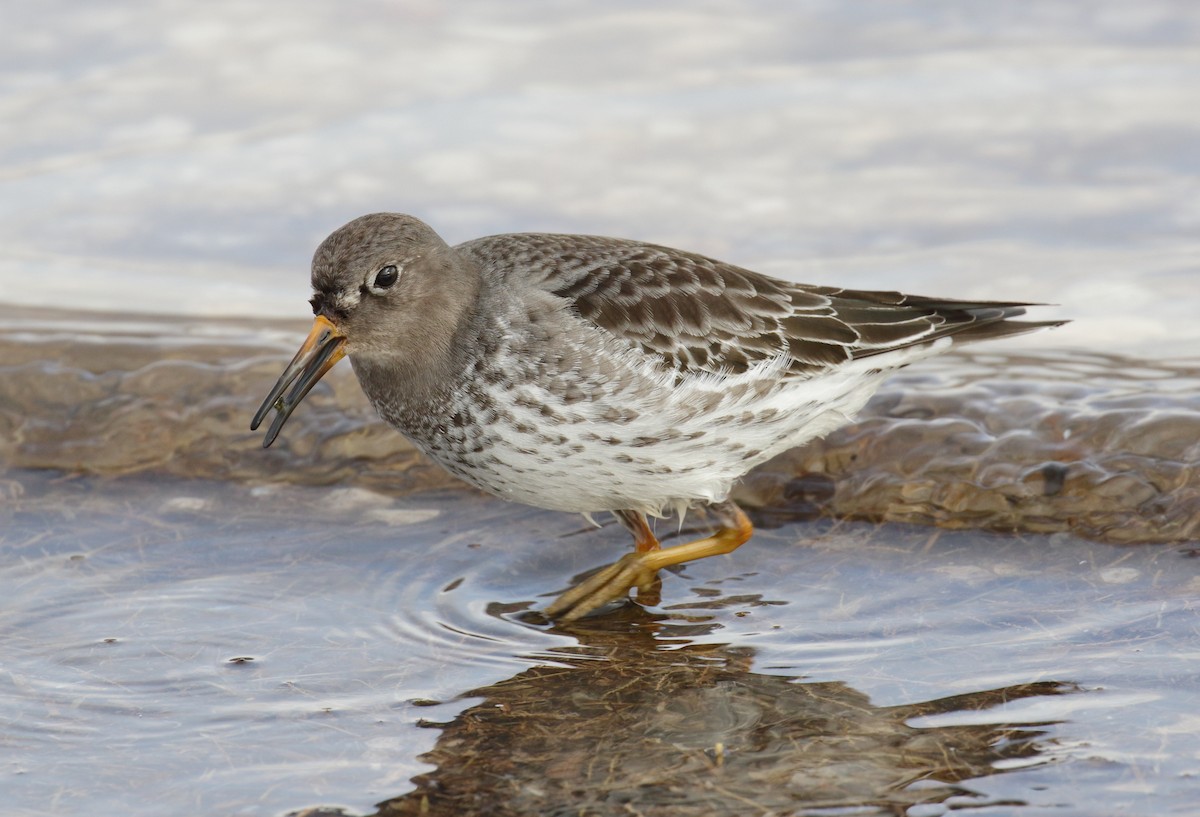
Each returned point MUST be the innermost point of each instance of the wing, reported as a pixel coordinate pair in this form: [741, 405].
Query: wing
[701, 315]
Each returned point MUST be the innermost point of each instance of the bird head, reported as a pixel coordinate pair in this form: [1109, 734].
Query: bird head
[385, 287]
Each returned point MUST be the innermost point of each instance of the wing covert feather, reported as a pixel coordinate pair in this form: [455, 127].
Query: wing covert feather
[697, 314]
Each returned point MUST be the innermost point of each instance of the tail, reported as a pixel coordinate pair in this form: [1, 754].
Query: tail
[982, 320]
[965, 321]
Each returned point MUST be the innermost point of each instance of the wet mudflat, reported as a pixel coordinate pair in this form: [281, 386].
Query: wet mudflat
[193, 625]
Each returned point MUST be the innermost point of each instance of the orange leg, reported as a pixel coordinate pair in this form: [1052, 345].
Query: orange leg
[640, 569]
[644, 539]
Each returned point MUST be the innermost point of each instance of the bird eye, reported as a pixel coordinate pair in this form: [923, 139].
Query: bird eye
[387, 276]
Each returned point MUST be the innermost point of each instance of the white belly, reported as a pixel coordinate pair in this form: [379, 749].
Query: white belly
[655, 446]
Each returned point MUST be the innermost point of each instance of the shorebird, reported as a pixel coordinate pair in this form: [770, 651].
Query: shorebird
[585, 374]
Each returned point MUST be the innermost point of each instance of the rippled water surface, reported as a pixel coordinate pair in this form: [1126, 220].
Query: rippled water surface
[196, 624]
[218, 648]
[981, 595]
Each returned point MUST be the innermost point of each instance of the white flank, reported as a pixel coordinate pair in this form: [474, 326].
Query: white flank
[679, 443]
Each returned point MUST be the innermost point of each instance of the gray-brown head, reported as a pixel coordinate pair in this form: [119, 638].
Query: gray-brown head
[386, 289]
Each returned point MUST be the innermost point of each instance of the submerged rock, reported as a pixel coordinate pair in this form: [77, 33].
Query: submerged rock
[1099, 445]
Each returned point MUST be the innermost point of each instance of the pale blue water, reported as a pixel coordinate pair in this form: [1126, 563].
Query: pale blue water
[175, 646]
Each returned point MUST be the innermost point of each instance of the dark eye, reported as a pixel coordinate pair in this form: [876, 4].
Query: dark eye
[386, 276]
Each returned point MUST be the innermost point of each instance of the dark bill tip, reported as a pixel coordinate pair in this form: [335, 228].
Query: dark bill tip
[323, 347]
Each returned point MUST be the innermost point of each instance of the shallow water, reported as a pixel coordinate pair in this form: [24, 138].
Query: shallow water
[980, 595]
[217, 648]
[197, 625]
[1102, 445]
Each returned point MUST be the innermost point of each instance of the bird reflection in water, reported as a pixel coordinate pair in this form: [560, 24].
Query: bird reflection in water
[632, 721]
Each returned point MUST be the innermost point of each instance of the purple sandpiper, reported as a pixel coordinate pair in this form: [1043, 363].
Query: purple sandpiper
[585, 374]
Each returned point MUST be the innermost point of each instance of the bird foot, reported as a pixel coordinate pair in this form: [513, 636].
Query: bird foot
[640, 569]
[607, 585]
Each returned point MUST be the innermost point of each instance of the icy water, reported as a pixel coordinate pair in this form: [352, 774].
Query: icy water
[981, 595]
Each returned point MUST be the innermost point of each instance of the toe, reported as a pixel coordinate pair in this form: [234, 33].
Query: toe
[610, 584]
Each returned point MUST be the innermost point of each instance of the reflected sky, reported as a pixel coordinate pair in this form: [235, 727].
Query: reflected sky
[218, 648]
